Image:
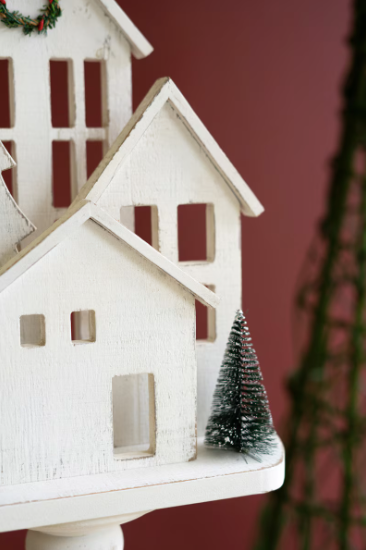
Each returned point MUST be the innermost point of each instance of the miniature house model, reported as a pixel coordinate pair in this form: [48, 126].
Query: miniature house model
[95, 31]
[105, 385]
[64, 416]
[98, 343]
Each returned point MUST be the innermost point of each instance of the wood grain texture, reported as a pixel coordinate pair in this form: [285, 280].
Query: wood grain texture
[87, 30]
[165, 157]
[215, 475]
[14, 225]
[57, 410]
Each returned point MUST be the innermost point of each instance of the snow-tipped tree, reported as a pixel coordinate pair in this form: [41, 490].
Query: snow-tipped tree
[241, 420]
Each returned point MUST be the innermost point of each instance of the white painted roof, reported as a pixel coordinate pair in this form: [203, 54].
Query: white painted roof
[140, 47]
[163, 91]
[76, 216]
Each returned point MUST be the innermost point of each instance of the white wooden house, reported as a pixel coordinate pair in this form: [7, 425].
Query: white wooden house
[61, 412]
[165, 158]
[89, 30]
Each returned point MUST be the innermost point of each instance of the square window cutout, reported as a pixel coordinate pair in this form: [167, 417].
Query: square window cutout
[32, 331]
[83, 330]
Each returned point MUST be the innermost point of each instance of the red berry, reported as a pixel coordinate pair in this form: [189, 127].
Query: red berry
[41, 24]
[3, 2]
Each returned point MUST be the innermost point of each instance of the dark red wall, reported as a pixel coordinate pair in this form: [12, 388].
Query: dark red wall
[264, 77]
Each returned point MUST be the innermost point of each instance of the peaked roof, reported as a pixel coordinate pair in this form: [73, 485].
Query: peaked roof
[163, 91]
[139, 45]
[74, 218]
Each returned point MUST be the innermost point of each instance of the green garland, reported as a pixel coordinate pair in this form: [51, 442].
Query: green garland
[46, 20]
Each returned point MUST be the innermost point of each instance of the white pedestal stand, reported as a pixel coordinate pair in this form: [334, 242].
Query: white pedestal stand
[67, 514]
[110, 538]
[97, 534]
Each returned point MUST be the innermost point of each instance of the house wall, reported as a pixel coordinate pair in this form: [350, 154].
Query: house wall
[83, 32]
[167, 168]
[56, 415]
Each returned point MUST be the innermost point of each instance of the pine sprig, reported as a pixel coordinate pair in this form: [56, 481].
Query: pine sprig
[47, 19]
[240, 419]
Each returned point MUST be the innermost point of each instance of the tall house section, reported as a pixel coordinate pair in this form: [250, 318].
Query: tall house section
[69, 96]
[166, 164]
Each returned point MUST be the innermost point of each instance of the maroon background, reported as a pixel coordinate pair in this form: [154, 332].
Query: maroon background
[264, 77]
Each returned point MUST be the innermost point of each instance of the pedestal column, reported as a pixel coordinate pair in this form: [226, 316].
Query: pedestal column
[110, 538]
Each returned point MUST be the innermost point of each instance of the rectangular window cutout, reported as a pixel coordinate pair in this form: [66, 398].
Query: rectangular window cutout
[10, 175]
[95, 94]
[62, 93]
[205, 321]
[146, 224]
[7, 93]
[63, 178]
[32, 331]
[196, 233]
[142, 220]
[83, 329]
[133, 405]
[94, 154]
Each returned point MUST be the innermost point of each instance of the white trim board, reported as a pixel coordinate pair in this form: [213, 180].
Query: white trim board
[215, 475]
[140, 47]
[163, 91]
[76, 216]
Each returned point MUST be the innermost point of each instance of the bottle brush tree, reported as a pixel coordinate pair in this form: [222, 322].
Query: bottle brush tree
[241, 420]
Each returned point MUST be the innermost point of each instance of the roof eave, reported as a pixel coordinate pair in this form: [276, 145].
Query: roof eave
[75, 216]
[140, 46]
[164, 90]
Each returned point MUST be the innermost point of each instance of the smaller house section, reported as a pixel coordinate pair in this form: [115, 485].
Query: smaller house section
[98, 353]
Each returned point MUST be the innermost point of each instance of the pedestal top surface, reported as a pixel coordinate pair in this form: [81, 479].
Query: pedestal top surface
[215, 475]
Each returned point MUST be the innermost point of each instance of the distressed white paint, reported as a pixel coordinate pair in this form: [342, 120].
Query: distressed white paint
[166, 157]
[87, 30]
[56, 413]
[215, 475]
[14, 225]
